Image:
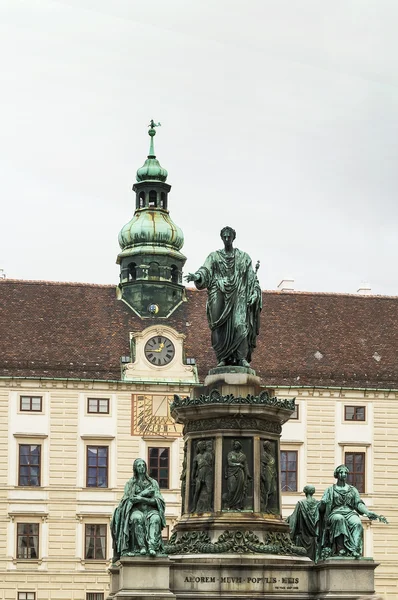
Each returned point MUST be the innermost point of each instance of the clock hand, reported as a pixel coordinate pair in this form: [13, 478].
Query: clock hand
[160, 348]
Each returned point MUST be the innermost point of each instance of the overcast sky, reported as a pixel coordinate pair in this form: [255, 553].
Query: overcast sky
[279, 118]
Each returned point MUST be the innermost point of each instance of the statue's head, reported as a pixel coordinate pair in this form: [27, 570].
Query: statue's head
[267, 445]
[236, 445]
[139, 467]
[309, 489]
[228, 233]
[201, 447]
[341, 472]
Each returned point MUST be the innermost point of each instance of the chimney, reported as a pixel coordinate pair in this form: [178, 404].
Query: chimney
[286, 285]
[364, 289]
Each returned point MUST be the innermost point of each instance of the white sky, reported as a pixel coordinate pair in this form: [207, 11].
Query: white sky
[279, 118]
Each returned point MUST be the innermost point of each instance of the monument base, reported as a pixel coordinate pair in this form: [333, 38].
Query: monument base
[239, 381]
[344, 579]
[141, 578]
[241, 576]
[269, 577]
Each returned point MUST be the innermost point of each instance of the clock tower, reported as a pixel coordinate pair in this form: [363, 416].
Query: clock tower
[150, 259]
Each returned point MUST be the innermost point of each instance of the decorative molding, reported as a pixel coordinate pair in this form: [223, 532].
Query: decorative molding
[41, 436]
[241, 422]
[97, 436]
[236, 542]
[215, 397]
[82, 517]
[359, 444]
[12, 515]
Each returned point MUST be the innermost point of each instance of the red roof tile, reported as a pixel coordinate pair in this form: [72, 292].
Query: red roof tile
[78, 330]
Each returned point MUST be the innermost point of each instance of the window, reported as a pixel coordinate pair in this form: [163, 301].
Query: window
[26, 595]
[174, 274]
[98, 405]
[295, 415]
[152, 199]
[354, 413]
[97, 466]
[95, 546]
[355, 461]
[159, 466]
[28, 540]
[94, 596]
[30, 403]
[29, 465]
[289, 470]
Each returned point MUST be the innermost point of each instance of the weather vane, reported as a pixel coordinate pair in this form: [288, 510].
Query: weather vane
[152, 124]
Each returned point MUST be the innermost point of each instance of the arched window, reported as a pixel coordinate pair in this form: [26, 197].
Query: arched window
[132, 271]
[154, 271]
[141, 200]
[174, 274]
[163, 200]
[153, 199]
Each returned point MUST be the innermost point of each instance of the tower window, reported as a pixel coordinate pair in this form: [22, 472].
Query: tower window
[132, 271]
[163, 200]
[153, 199]
[141, 200]
[154, 271]
[174, 274]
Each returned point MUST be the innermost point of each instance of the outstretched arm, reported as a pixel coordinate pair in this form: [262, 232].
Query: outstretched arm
[193, 277]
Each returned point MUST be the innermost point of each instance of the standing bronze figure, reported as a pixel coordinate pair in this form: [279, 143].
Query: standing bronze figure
[268, 476]
[237, 476]
[202, 479]
[303, 522]
[234, 301]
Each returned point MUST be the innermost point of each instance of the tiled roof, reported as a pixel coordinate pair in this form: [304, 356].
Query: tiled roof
[75, 330]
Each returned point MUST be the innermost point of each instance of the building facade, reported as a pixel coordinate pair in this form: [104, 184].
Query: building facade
[86, 380]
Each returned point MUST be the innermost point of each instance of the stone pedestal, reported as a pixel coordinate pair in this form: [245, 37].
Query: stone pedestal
[344, 579]
[232, 408]
[241, 577]
[141, 578]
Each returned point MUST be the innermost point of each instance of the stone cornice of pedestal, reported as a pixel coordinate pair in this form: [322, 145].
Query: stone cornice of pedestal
[217, 405]
[232, 521]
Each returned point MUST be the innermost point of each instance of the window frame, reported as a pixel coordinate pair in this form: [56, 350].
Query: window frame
[28, 536]
[158, 467]
[20, 596]
[296, 452]
[95, 537]
[29, 465]
[30, 409]
[101, 487]
[296, 414]
[97, 400]
[355, 407]
[352, 474]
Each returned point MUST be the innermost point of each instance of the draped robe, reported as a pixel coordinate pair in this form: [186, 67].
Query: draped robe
[231, 283]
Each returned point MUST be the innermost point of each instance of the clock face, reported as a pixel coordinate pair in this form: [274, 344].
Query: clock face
[159, 350]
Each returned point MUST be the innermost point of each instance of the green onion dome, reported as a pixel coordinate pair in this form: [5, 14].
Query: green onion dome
[151, 227]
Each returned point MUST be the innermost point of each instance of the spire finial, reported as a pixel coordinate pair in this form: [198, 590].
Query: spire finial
[152, 133]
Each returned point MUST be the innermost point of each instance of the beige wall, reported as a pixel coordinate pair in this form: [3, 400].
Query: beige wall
[321, 437]
[62, 505]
